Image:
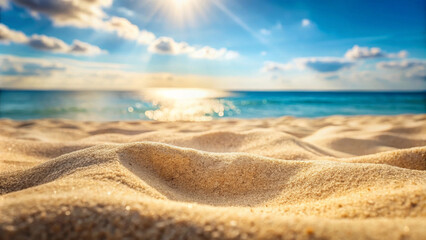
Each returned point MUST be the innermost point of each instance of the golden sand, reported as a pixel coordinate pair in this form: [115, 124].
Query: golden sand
[284, 178]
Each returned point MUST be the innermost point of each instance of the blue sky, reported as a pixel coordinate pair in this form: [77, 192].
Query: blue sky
[230, 44]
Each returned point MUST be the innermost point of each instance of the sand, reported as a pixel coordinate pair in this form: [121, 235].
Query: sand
[286, 178]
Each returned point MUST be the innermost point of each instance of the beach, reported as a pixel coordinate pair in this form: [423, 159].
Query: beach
[337, 177]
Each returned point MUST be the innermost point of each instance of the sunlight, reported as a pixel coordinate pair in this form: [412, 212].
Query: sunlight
[191, 12]
[180, 3]
[185, 93]
[187, 104]
[238, 21]
[183, 12]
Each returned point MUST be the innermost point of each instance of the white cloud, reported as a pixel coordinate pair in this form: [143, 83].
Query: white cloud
[264, 31]
[166, 45]
[52, 44]
[231, 54]
[86, 14]
[82, 48]
[60, 73]
[318, 64]
[401, 65]
[348, 80]
[400, 54]
[146, 37]
[390, 75]
[13, 66]
[90, 14]
[306, 22]
[212, 54]
[411, 69]
[46, 43]
[4, 3]
[277, 67]
[123, 27]
[364, 52]
[7, 35]
[79, 13]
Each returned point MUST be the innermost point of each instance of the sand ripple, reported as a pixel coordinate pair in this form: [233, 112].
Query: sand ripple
[284, 178]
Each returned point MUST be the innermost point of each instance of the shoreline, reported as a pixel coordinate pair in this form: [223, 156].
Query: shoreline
[214, 119]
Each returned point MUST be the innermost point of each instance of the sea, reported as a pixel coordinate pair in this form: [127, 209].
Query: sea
[165, 104]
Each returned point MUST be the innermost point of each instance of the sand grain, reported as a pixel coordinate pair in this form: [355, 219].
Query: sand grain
[284, 178]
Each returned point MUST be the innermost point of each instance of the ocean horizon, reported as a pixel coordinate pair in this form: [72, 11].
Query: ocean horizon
[173, 104]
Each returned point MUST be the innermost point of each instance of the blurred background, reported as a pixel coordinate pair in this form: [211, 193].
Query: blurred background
[200, 60]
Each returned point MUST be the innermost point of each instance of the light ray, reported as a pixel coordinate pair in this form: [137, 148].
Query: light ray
[238, 21]
[181, 12]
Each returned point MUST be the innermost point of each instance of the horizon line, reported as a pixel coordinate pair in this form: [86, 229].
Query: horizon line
[227, 90]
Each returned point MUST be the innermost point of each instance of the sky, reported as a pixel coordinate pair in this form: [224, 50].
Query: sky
[224, 44]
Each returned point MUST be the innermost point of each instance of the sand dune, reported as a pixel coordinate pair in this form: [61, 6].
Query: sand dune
[284, 178]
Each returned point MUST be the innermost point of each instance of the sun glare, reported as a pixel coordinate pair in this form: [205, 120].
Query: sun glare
[183, 12]
[180, 3]
[184, 93]
[189, 104]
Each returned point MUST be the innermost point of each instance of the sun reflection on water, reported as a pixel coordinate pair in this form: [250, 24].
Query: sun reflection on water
[186, 104]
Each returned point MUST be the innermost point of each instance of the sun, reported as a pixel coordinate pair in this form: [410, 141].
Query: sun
[183, 12]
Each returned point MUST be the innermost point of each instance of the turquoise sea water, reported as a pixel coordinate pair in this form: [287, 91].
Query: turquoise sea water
[199, 104]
